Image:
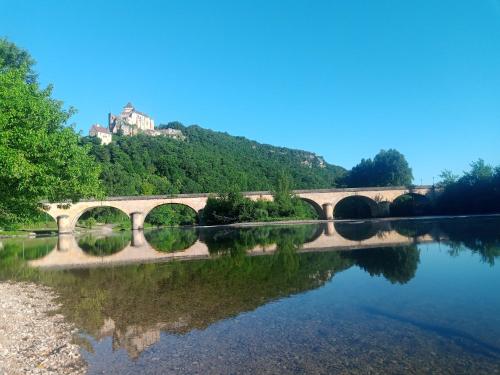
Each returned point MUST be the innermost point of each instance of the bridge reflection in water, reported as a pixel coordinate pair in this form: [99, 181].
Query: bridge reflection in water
[157, 304]
[71, 252]
[233, 270]
[153, 302]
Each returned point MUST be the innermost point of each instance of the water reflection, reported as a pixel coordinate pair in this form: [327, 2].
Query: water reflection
[396, 264]
[171, 239]
[363, 230]
[234, 273]
[194, 243]
[100, 245]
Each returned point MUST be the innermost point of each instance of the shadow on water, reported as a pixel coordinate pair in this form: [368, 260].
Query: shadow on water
[463, 339]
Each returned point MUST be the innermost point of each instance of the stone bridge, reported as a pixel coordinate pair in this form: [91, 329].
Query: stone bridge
[324, 202]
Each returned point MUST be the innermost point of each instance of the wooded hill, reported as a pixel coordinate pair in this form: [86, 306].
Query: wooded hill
[207, 161]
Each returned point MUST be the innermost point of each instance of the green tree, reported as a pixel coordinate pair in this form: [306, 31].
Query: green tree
[475, 192]
[447, 178]
[388, 168]
[13, 57]
[40, 157]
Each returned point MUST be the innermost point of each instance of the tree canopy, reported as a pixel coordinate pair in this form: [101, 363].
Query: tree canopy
[13, 57]
[388, 168]
[40, 156]
[477, 191]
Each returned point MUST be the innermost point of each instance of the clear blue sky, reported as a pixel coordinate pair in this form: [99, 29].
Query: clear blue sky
[341, 78]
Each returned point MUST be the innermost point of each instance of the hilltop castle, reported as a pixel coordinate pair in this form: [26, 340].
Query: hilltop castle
[131, 122]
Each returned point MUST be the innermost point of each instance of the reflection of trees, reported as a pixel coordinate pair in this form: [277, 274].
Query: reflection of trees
[286, 259]
[181, 296]
[360, 231]
[171, 239]
[15, 252]
[133, 303]
[26, 249]
[396, 264]
[102, 246]
[480, 235]
[235, 240]
[413, 228]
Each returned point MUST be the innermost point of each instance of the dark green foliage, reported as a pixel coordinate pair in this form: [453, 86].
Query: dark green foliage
[40, 156]
[171, 239]
[481, 236]
[238, 240]
[476, 192]
[413, 228]
[102, 246]
[388, 168]
[206, 161]
[232, 207]
[396, 264]
[13, 57]
[227, 208]
[26, 249]
[104, 215]
[411, 205]
[172, 214]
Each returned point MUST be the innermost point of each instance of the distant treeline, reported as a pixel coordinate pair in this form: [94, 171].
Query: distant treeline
[475, 192]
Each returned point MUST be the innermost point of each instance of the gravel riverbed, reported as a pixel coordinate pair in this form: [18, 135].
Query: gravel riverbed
[34, 339]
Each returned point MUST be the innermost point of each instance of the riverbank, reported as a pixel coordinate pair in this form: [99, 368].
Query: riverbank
[34, 339]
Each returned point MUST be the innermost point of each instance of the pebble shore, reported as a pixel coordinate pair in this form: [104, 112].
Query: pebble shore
[34, 339]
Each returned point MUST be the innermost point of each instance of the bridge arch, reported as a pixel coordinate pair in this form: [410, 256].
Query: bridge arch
[355, 207]
[80, 214]
[168, 214]
[316, 206]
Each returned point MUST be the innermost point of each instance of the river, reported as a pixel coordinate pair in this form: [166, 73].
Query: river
[375, 296]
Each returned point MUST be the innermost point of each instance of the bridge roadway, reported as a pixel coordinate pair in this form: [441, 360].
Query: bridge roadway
[67, 254]
[324, 201]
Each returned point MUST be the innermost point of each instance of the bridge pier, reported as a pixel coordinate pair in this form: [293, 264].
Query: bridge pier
[64, 224]
[138, 239]
[328, 211]
[66, 242]
[137, 220]
[330, 229]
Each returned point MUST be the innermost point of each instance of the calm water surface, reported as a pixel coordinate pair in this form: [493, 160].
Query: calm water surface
[405, 296]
